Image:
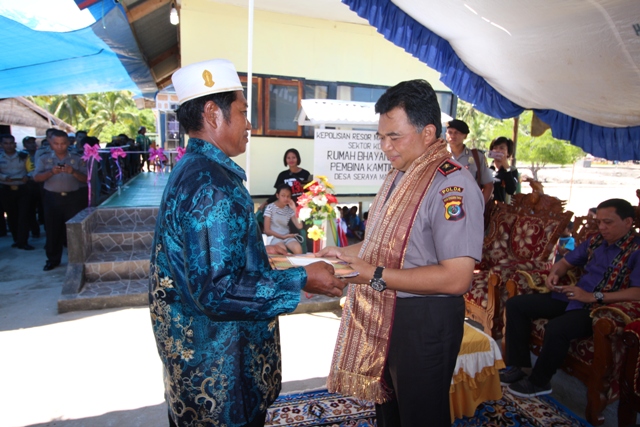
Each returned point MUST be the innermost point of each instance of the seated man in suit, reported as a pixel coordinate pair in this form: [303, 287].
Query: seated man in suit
[611, 261]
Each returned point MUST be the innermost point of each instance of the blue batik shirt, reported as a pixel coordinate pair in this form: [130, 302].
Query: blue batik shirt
[214, 298]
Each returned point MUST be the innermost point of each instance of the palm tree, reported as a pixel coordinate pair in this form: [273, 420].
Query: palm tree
[480, 125]
[110, 108]
[70, 108]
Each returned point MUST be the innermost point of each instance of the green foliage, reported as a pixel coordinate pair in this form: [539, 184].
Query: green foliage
[103, 115]
[536, 152]
[480, 125]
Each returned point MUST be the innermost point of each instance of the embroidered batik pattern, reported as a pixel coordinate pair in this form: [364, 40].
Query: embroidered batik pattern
[214, 299]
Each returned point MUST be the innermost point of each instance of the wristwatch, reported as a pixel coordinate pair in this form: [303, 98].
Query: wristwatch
[377, 283]
[599, 296]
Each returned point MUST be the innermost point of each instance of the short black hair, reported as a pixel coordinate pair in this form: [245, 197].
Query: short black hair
[7, 136]
[570, 226]
[418, 100]
[91, 141]
[57, 133]
[294, 151]
[623, 208]
[189, 114]
[503, 140]
[50, 131]
[281, 187]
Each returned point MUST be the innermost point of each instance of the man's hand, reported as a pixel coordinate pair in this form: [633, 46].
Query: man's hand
[330, 251]
[364, 269]
[552, 281]
[577, 294]
[321, 281]
[277, 249]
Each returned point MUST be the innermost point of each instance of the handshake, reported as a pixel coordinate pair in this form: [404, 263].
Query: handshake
[321, 277]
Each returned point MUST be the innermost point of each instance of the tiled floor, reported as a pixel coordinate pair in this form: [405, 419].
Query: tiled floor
[145, 189]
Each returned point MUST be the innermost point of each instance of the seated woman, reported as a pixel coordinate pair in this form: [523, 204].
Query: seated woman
[276, 219]
[504, 179]
[295, 176]
[356, 227]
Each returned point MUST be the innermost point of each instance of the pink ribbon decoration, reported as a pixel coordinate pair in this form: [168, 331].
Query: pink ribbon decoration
[91, 154]
[181, 151]
[115, 153]
[156, 156]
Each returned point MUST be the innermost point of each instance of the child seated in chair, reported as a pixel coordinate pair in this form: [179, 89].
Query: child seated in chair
[276, 220]
[566, 243]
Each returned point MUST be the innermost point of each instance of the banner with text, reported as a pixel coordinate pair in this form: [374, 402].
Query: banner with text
[349, 157]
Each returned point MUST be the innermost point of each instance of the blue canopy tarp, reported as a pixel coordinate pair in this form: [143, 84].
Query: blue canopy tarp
[101, 57]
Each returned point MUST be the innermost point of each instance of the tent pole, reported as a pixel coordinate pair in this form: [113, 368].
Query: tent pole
[249, 89]
[516, 122]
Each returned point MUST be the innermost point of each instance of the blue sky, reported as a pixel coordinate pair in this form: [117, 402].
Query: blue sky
[47, 15]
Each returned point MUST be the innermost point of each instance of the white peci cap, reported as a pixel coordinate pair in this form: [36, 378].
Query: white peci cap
[204, 78]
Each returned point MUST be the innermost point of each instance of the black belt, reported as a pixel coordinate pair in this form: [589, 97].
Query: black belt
[62, 193]
[11, 187]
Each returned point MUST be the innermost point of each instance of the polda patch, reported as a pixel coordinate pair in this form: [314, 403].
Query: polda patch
[451, 189]
[453, 210]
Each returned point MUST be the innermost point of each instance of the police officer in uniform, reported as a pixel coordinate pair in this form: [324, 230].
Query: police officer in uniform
[13, 191]
[63, 174]
[474, 160]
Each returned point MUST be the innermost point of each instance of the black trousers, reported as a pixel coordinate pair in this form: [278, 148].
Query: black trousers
[425, 342]
[15, 201]
[3, 222]
[562, 327]
[58, 209]
[35, 210]
[257, 421]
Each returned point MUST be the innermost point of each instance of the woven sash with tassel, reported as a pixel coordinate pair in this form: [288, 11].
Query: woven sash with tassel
[365, 328]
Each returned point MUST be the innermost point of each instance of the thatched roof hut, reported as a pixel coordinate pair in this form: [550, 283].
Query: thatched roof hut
[20, 111]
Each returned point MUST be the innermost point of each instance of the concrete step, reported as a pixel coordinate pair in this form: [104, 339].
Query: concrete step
[126, 216]
[117, 266]
[122, 238]
[135, 293]
[108, 294]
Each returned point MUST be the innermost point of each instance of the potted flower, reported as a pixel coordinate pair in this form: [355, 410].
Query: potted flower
[315, 206]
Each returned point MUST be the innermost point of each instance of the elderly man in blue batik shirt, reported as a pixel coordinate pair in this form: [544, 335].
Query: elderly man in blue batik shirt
[611, 261]
[214, 298]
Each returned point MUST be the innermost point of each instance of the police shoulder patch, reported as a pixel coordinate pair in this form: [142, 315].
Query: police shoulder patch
[448, 167]
[453, 208]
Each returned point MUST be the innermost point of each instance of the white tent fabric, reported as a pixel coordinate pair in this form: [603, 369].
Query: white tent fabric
[575, 63]
[334, 112]
[579, 57]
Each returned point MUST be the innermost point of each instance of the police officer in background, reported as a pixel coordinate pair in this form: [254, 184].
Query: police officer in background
[63, 174]
[13, 191]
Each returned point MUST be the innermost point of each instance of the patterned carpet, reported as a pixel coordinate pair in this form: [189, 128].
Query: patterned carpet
[320, 408]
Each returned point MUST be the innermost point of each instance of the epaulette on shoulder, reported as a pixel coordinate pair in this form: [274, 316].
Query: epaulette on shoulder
[22, 155]
[447, 167]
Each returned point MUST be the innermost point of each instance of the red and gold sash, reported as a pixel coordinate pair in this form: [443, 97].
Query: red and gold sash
[365, 328]
[617, 276]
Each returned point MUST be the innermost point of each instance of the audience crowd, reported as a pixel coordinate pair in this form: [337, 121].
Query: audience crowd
[22, 208]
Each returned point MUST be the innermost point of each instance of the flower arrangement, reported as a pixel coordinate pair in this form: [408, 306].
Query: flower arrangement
[317, 204]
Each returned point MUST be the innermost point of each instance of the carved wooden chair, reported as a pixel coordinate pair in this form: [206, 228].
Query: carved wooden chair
[630, 376]
[596, 361]
[521, 236]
